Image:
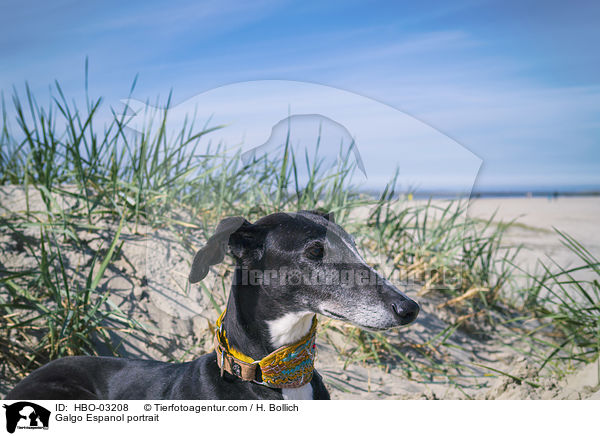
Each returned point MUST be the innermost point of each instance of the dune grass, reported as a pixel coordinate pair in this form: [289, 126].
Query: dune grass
[565, 303]
[107, 179]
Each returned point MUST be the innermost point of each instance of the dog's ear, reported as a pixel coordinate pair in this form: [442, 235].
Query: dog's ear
[234, 234]
[329, 216]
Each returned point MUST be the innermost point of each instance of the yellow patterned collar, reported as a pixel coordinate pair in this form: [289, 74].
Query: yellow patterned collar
[290, 366]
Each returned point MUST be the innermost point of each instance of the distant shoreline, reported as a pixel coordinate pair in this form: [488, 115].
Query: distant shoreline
[533, 193]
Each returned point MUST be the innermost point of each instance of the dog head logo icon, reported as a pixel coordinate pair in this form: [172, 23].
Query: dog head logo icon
[26, 415]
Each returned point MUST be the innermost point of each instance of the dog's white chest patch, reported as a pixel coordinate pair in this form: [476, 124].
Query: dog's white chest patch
[290, 328]
[302, 393]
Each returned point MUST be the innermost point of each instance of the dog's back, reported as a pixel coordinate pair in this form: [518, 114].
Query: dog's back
[93, 378]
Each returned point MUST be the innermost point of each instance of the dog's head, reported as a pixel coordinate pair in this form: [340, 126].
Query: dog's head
[305, 262]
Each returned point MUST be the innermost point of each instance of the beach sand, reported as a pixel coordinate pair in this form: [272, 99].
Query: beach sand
[535, 220]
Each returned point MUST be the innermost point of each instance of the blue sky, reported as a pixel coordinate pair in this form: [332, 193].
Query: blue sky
[515, 82]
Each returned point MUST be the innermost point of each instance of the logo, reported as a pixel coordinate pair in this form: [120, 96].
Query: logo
[26, 415]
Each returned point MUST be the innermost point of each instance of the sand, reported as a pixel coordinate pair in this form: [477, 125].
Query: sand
[536, 219]
[148, 283]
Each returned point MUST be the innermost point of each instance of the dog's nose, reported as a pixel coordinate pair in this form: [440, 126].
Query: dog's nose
[406, 311]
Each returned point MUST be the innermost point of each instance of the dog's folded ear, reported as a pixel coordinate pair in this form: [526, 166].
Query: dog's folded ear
[329, 216]
[234, 234]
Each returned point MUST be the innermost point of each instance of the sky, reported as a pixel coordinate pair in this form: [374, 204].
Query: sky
[516, 83]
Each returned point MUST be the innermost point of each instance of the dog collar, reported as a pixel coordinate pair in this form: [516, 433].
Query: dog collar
[290, 366]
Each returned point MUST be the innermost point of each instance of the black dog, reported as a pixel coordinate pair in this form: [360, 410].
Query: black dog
[269, 308]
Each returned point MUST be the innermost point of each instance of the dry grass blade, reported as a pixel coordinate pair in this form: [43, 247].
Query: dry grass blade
[473, 292]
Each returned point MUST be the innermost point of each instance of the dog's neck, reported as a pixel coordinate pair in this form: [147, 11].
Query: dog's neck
[255, 326]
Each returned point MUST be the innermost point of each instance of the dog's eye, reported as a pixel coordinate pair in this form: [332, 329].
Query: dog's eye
[315, 251]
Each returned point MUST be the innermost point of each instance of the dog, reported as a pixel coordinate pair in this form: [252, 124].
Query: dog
[264, 343]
